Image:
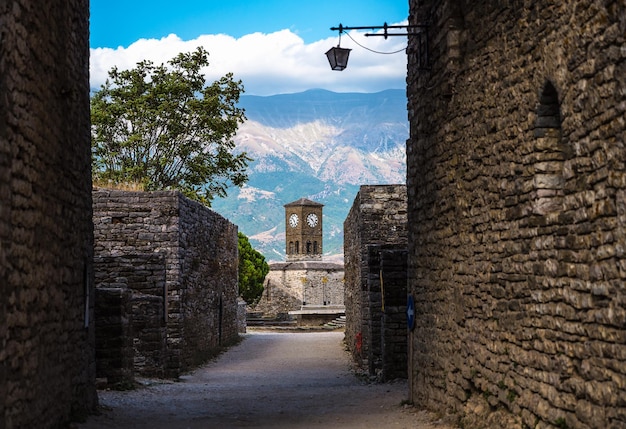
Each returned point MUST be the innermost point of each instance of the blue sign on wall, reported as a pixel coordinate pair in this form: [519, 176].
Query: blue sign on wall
[410, 312]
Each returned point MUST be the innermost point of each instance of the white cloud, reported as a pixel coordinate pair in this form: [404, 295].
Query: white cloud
[272, 63]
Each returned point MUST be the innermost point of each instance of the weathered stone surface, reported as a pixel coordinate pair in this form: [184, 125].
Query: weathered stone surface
[290, 286]
[114, 339]
[47, 367]
[241, 315]
[180, 261]
[376, 223]
[515, 183]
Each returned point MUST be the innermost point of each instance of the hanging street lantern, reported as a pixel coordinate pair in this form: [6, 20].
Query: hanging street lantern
[338, 57]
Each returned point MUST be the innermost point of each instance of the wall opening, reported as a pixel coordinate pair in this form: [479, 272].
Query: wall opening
[548, 156]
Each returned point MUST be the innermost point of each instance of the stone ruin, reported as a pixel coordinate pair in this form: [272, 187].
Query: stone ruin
[166, 283]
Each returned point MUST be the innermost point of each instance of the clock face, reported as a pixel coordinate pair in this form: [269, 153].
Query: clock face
[311, 219]
[293, 220]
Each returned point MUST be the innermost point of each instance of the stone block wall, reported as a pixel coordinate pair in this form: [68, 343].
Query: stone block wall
[47, 367]
[242, 310]
[209, 275]
[516, 198]
[138, 314]
[291, 285]
[114, 338]
[378, 216]
[180, 260]
[391, 267]
[387, 296]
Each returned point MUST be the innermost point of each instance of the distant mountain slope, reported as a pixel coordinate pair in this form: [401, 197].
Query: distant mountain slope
[288, 110]
[318, 145]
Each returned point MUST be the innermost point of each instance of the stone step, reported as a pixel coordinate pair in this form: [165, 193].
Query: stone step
[339, 322]
[270, 322]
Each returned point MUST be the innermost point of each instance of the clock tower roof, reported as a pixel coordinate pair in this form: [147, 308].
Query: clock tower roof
[304, 202]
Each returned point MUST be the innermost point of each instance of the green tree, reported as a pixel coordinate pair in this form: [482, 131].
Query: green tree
[252, 271]
[162, 127]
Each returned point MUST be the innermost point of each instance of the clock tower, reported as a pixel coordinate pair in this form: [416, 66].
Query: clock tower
[303, 227]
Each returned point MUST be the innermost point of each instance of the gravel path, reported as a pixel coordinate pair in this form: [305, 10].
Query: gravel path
[269, 380]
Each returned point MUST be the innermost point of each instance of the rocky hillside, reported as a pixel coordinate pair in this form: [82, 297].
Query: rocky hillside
[318, 145]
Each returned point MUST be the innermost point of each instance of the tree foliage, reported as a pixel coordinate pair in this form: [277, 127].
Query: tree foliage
[165, 128]
[252, 271]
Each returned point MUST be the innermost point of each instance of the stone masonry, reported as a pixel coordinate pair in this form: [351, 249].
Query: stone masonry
[179, 260]
[376, 221]
[130, 316]
[306, 287]
[517, 211]
[47, 366]
[386, 286]
[114, 339]
[291, 286]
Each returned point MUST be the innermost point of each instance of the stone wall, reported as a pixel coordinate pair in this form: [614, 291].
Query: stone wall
[130, 317]
[378, 217]
[114, 338]
[291, 285]
[517, 207]
[47, 371]
[242, 310]
[210, 271]
[387, 291]
[180, 261]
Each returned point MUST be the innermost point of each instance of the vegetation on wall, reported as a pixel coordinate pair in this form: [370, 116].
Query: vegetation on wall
[252, 271]
[164, 128]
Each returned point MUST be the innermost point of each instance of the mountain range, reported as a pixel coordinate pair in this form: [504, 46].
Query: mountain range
[318, 145]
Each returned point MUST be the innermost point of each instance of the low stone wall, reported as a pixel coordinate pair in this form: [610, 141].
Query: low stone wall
[242, 312]
[290, 285]
[377, 217]
[179, 259]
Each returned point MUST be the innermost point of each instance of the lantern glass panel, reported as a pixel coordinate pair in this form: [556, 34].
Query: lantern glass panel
[338, 57]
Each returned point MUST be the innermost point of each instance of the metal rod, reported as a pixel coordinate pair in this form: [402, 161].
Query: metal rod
[389, 34]
[385, 27]
[342, 28]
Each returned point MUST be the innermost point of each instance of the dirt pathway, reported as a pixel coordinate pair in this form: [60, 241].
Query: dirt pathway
[269, 380]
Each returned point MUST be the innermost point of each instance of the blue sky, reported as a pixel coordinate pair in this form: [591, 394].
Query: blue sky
[273, 46]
